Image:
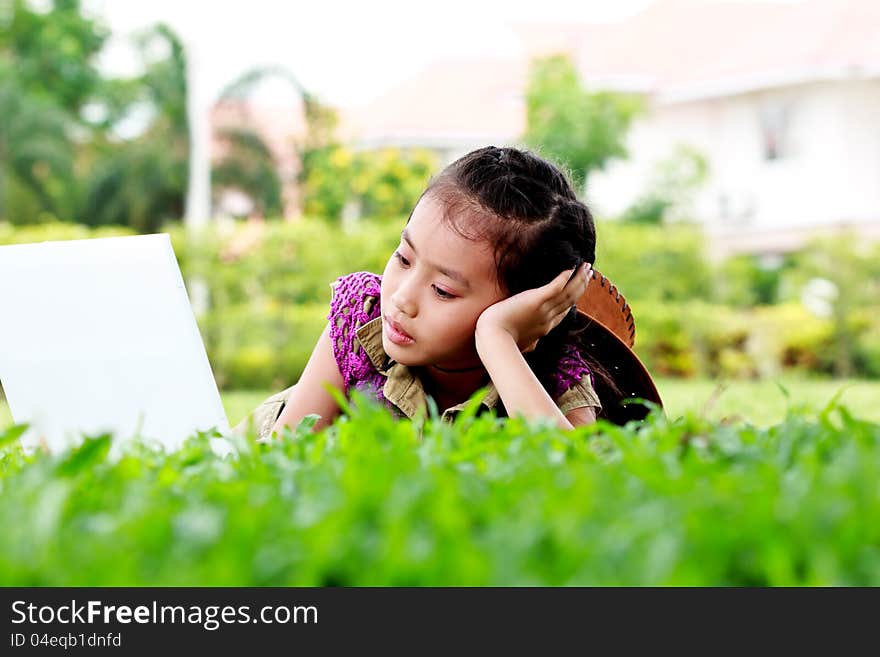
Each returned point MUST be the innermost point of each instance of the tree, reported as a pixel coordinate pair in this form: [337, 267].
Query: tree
[141, 181]
[671, 188]
[581, 129]
[61, 151]
[326, 166]
[382, 183]
[248, 165]
[53, 52]
[36, 156]
[48, 76]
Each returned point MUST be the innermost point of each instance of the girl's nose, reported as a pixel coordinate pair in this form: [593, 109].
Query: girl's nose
[403, 300]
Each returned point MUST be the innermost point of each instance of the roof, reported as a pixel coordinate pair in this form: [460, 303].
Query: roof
[674, 50]
[681, 49]
[458, 98]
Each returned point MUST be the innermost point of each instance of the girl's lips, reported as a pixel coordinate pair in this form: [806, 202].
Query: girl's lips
[396, 336]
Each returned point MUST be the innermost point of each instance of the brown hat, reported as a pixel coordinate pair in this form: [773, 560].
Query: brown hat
[610, 337]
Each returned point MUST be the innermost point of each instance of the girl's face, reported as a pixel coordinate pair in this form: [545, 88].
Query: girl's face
[435, 286]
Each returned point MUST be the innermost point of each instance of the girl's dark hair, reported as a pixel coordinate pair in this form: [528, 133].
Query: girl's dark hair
[525, 208]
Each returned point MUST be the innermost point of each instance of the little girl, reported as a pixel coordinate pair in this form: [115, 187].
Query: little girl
[480, 292]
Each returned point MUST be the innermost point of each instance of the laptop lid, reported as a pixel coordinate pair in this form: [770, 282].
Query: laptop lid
[99, 335]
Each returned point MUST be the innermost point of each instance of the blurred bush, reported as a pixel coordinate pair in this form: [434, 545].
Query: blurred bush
[743, 281]
[382, 183]
[53, 230]
[264, 348]
[650, 262]
[849, 268]
[269, 290]
[336, 181]
[269, 293]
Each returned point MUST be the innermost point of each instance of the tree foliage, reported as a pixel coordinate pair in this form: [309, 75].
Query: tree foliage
[76, 145]
[384, 182]
[248, 165]
[671, 187]
[48, 75]
[79, 146]
[36, 158]
[581, 129]
[141, 181]
[53, 52]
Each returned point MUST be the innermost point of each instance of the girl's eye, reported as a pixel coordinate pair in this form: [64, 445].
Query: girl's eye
[443, 294]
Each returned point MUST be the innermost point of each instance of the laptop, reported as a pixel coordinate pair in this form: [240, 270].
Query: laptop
[98, 335]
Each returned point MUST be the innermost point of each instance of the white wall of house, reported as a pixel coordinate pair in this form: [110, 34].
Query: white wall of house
[827, 171]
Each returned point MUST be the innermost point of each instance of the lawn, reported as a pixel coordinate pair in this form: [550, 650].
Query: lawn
[759, 402]
[371, 502]
[764, 403]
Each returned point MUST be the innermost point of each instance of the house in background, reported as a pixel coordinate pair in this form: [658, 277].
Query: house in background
[783, 100]
[450, 107]
[279, 127]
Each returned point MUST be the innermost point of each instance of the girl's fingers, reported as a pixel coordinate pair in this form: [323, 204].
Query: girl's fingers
[576, 281]
[559, 311]
[577, 285]
[585, 270]
[567, 275]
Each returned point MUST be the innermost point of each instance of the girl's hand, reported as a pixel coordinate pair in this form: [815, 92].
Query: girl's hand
[532, 314]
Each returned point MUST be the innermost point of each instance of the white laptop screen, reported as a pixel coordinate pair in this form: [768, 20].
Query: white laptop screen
[99, 335]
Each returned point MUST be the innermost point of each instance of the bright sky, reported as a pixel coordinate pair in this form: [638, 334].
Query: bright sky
[346, 52]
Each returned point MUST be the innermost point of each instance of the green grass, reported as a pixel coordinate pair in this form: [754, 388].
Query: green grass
[238, 403]
[371, 502]
[762, 403]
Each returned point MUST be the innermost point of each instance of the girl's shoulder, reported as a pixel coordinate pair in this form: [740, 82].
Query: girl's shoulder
[357, 286]
[355, 299]
[354, 302]
[572, 373]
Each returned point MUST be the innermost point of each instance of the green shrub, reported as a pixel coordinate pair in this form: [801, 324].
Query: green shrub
[269, 288]
[742, 281]
[851, 264]
[700, 339]
[868, 345]
[260, 262]
[487, 501]
[663, 263]
[385, 182]
[662, 341]
[56, 231]
[261, 350]
[789, 337]
[269, 292]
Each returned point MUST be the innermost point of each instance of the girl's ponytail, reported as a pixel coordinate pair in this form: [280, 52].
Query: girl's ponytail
[576, 220]
[576, 217]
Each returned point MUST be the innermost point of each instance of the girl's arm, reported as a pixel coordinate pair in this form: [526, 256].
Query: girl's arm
[308, 395]
[517, 385]
[512, 326]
